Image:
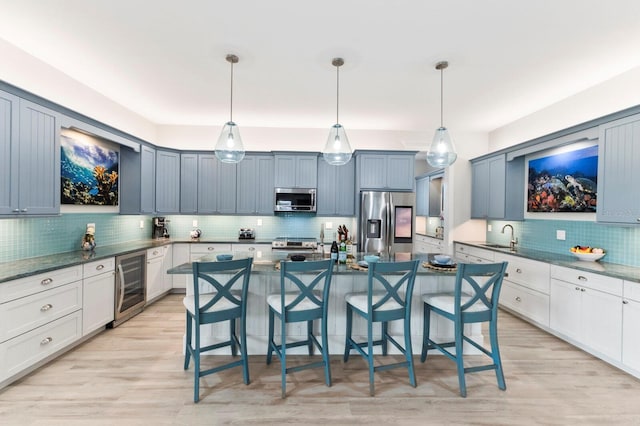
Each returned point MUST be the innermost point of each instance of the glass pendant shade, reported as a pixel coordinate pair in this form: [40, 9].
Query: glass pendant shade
[337, 151]
[441, 152]
[229, 148]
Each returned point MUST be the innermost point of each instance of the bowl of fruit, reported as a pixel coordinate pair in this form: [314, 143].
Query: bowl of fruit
[587, 253]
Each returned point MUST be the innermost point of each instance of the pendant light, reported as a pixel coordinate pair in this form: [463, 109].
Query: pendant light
[229, 148]
[337, 151]
[441, 153]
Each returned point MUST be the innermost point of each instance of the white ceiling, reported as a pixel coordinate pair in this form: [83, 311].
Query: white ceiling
[164, 59]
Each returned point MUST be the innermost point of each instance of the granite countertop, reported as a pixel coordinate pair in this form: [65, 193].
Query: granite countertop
[630, 273]
[36, 265]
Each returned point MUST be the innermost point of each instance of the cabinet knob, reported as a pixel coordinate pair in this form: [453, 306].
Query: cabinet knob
[583, 289]
[23, 210]
[582, 278]
[211, 248]
[577, 288]
[625, 302]
[518, 299]
[46, 341]
[46, 281]
[16, 210]
[252, 248]
[46, 307]
[519, 270]
[99, 267]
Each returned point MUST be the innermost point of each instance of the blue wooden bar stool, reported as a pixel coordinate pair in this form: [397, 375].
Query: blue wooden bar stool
[219, 302]
[474, 300]
[388, 298]
[307, 301]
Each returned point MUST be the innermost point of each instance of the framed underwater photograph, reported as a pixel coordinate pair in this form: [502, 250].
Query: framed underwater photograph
[563, 181]
[88, 172]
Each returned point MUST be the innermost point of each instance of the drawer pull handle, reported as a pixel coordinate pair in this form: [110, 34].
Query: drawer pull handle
[252, 248]
[519, 270]
[99, 267]
[625, 302]
[46, 281]
[210, 248]
[46, 307]
[46, 341]
[518, 299]
[155, 252]
[583, 289]
[577, 288]
[582, 278]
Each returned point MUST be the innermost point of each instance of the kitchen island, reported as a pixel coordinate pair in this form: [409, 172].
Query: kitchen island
[265, 280]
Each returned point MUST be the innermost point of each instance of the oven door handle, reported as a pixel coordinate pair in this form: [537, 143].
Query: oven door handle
[122, 287]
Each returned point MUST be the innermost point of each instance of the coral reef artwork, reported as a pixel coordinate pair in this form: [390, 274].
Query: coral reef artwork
[565, 182]
[89, 173]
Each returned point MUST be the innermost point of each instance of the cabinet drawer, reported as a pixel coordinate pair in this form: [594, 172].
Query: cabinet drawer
[199, 250]
[632, 290]
[25, 350]
[587, 279]
[473, 254]
[24, 314]
[528, 273]
[98, 267]
[528, 303]
[154, 253]
[254, 250]
[25, 286]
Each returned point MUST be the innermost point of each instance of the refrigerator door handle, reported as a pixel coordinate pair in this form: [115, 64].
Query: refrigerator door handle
[390, 223]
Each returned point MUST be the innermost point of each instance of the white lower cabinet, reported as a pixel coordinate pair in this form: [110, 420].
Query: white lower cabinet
[631, 326]
[586, 308]
[155, 274]
[525, 288]
[39, 316]
[98, 294]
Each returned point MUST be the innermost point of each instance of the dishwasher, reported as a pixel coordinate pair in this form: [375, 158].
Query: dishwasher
[130, 286]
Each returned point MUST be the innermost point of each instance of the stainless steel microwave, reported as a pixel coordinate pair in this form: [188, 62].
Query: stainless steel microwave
[295, 200]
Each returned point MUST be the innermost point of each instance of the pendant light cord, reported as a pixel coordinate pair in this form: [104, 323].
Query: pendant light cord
[441, 96]
[337, 93]
[231, 106]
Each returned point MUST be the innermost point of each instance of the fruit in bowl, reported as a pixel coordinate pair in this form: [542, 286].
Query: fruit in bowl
[588, 253]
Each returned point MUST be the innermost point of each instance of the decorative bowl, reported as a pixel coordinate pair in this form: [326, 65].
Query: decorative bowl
[222, 257]
[590, 257]
[442, 258]
[370, 258]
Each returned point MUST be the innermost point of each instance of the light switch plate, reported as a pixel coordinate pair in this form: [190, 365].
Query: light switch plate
[141, 224]
[489, 228]
[259, 222]
[328, 225]
[194, 224]
[561, 235]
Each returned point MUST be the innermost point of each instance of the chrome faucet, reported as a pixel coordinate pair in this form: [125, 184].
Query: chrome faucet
[513, 242]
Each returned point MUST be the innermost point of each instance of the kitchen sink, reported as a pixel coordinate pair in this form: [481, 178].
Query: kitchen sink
[492, 245]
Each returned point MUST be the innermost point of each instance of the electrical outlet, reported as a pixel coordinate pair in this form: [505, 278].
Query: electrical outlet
[141, 224]
[328, 225]
[259, 222]
[561, 235]
[489, 228]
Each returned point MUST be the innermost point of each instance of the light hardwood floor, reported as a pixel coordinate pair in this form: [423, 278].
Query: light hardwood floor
[133, 375]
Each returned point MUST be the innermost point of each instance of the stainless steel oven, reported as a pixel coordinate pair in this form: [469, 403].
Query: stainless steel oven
[130, 286]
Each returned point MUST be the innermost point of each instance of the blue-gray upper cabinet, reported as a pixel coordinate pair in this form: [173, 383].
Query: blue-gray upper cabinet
[386, 171]
[188, 183]
[422, 196]
[255, 184]
[9, 119]
[497, 188]
[167, 181]
[618, 171]
[217, 184]
[336, 189]
[296, 171]
[38, 160]
[137, 180]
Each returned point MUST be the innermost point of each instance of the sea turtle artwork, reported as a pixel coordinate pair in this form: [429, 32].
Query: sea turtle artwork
[565, 182]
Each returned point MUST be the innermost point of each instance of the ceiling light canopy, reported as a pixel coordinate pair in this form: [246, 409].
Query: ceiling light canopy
[441, 152]
[229, 148]
[337, 151]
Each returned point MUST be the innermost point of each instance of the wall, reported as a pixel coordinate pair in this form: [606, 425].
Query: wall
[33, 237]
[619, 242]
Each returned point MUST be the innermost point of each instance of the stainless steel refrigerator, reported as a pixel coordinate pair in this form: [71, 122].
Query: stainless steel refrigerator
[385, 225]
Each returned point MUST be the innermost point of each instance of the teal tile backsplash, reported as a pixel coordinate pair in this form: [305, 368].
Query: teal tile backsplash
[32, 237]
[621, 243]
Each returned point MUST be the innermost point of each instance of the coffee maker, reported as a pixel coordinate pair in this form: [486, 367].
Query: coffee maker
[160, 228]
